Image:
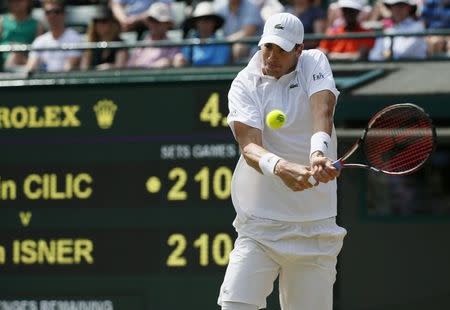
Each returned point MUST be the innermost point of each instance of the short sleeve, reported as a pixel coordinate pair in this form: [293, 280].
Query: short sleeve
[242, 107]
[321, 77]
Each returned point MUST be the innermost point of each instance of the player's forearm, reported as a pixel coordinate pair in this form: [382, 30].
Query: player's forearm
[250, 143]
[322, 109]
[252, 154]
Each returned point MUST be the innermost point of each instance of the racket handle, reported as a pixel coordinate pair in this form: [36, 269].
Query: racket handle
[313, 181]
[338, 164]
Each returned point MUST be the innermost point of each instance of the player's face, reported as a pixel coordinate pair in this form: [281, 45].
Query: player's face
[277, 62]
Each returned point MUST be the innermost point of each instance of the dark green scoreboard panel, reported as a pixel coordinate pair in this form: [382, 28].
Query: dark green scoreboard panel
[115, 196]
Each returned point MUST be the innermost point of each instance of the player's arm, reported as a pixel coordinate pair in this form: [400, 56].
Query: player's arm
[295, 176]
[322, 109]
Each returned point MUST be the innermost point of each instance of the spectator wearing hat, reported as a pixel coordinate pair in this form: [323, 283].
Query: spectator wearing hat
[132, 14]
[17, 26]
[54, 61]
[104, 27]
[336, 18]
[206, 23]
[403, 14]
[350, 49]
[159, 21]
[242, 19]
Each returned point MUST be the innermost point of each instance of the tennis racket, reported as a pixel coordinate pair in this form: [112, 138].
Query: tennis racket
[398, 140]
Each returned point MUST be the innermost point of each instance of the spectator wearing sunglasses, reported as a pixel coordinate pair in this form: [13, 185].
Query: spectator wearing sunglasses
[17, 26]
[54, 60]
[104, 27]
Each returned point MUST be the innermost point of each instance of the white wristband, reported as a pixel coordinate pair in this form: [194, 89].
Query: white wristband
[267, 163]
[320, 141]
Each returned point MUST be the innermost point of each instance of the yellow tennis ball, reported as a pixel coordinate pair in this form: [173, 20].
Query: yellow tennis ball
[275, 119]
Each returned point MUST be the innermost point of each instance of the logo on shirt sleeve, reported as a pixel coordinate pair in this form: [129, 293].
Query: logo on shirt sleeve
[318, 76]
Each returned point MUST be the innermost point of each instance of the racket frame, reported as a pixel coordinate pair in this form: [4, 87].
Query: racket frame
[340, 163]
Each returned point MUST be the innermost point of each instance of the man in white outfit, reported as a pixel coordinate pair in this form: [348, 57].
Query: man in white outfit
[286, 225]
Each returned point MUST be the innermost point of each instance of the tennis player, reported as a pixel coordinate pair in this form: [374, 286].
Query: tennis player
[286, 225]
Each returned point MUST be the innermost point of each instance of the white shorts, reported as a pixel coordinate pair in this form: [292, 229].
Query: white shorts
[303, 255]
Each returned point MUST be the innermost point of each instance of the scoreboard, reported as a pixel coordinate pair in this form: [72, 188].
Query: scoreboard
[115, 196]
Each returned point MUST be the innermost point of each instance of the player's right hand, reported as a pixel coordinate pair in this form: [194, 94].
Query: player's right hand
[322, 168]
[293, 175]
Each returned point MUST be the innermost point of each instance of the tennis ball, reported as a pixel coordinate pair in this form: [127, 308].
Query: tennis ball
[275, 119]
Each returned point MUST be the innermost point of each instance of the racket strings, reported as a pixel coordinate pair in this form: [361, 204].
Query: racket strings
[399, 140]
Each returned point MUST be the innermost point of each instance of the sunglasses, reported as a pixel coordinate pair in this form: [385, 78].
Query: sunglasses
[53, 12]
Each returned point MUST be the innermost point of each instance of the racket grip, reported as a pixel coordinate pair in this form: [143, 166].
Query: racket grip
[338, 164]
[313, 181]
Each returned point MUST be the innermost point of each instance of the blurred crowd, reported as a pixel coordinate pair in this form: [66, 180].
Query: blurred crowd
[151, 20]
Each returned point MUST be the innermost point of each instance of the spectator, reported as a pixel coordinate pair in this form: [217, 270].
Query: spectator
[132, 14]
[206, 24]
[313, 18]
[335, 18]
[104, 27]
[242, 19]
[436, 14]
[404, 17]
[53, 61]
[17, 26]
[353, 49]
[159, 21]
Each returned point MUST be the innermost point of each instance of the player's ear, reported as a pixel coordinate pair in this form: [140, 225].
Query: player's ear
[298, 49]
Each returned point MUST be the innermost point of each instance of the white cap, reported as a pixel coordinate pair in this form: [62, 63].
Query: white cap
[160, 12]
[352, 4]
[284, 30]
[392, 2]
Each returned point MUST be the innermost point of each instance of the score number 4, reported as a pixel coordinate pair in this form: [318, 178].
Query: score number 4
[211, 112]
[221, 247]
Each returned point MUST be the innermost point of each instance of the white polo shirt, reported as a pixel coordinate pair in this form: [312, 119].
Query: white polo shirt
[252, 95]
[53, 61]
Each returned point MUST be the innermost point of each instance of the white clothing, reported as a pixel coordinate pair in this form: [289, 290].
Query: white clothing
[229, 305]
[53, 61]
[251, 97]
[403, 47]
[303, 255]
[282, 233]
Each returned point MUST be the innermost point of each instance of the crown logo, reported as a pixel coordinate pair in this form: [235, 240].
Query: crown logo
[279, 26]
[104, 111]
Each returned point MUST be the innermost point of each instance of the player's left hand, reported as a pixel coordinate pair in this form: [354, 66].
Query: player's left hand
[322, 168]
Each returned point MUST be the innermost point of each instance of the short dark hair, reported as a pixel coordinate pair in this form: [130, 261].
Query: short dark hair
[61, 3]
